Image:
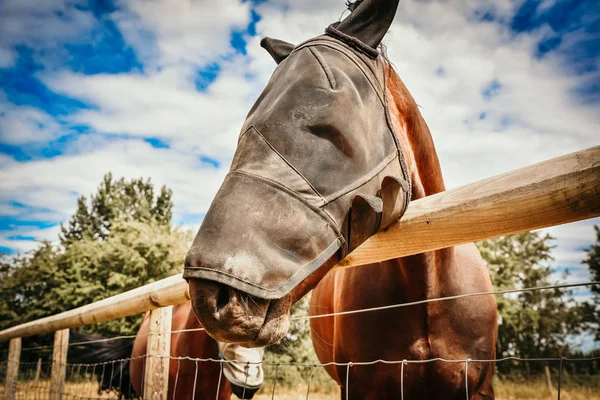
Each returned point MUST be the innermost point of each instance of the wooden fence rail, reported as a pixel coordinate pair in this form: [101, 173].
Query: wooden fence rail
[554, 192]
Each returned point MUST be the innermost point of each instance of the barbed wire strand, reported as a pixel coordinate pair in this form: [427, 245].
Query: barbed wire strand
[350, 312]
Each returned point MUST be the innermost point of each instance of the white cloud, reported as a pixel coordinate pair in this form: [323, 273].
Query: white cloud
[42, 24]
[532, 118]
[163, 105]
[23, 243]
[54, 184]
[188, 31]
[24, 124]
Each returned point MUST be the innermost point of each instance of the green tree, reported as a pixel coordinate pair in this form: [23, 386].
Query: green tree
[593, 262]
[122, 240]
[132, 200]
[533, 323]
[26, 282]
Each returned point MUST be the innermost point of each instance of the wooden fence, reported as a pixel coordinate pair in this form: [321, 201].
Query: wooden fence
[554, 192]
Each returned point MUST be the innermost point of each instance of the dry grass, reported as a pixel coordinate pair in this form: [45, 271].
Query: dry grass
[538, 390]
[506, 390]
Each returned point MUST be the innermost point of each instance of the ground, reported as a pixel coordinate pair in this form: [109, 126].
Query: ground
[536, 390]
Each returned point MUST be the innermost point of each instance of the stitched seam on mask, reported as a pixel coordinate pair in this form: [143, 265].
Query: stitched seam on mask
[287, 162]
[370, 75]
[311, 264]
[277, 185]
[395, 136]
[360, 182]
[325, 67]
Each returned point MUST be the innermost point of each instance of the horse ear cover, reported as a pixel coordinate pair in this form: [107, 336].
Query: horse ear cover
[366, 25]
[278, 49]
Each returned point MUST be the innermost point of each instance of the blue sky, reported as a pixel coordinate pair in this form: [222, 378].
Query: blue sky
[155, 90]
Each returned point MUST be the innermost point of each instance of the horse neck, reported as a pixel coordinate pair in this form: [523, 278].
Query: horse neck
[414, 137]
[426, 179]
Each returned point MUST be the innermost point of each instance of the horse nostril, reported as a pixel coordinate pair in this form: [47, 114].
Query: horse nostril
[222, 296]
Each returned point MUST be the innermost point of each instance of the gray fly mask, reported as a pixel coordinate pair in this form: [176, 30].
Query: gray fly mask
[318, 168]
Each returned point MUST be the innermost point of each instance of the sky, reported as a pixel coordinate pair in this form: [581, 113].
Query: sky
[160, 89]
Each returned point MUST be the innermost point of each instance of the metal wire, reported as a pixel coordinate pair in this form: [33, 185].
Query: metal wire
[84, 384]
[275, 381]
[350, 312]
[467, 377]
[458, 296]
[402, 380]
[40, 386]
[312, 370]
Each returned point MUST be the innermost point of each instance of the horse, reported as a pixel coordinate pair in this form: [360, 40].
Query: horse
[459, 329]
[331, 153]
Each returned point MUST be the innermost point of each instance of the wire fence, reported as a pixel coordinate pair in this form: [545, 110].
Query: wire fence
[111, 379]
[352, 312]
[89, 381]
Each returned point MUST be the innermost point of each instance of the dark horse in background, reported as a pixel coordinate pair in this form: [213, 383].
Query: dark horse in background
[314, 126]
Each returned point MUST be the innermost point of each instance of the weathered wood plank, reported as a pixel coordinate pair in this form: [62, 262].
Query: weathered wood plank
[59, 364]
[166, 292]
[12, 370]
[554, 192]
[158, 350]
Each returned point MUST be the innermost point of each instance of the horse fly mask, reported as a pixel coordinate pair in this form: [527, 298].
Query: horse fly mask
[318, 168]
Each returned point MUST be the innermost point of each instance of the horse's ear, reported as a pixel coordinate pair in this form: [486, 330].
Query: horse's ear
[369, 20]
[278, 49]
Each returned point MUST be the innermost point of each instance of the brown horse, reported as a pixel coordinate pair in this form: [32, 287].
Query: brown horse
[330, 154]
[459, 329]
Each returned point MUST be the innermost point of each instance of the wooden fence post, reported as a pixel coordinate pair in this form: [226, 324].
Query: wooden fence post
[548, 380]
[158, 350]
[59, 364]
[12, 370]
[38, 372]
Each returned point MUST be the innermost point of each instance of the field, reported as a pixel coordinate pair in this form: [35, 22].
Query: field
[536, 390]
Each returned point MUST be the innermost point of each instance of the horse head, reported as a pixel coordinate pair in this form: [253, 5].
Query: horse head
[318, 169]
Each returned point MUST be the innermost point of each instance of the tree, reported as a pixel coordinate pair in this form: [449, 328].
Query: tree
[26, 283]
[121, 240]
[133, 254]
[125, 200]
[533, 323]
[593, 262]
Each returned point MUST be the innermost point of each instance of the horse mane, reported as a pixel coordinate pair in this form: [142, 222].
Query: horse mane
[425, 161]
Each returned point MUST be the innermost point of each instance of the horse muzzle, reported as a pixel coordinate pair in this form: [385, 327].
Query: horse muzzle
[229, 315]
